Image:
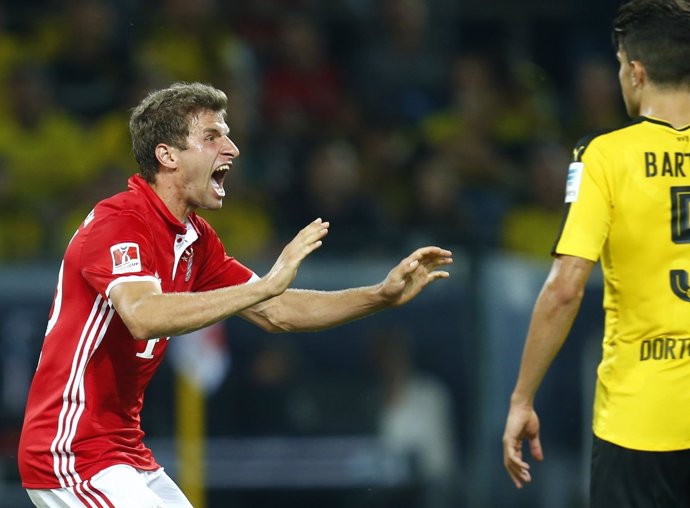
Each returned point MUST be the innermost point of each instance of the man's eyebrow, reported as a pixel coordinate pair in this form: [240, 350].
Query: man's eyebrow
[216, 130]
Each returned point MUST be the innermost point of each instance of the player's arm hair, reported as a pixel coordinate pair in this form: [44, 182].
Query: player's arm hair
[306, 310]
[148, 312]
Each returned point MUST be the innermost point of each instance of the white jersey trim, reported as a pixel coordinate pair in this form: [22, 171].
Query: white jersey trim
[74, 396]
[129, 278]
[181, 244]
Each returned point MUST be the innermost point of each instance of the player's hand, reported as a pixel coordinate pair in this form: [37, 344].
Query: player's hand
[414, 273]
[522, 423]
[285, 268]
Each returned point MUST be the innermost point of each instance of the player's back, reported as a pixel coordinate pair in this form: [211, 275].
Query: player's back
[628, 202]
[644, 168]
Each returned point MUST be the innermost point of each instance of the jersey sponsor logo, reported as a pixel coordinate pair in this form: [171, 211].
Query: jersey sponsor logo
[125, 258]
[572, 187]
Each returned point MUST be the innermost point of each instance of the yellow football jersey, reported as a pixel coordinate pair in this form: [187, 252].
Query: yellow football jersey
[628, 205]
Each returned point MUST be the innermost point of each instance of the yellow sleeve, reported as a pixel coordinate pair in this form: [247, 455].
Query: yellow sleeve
[588, 207]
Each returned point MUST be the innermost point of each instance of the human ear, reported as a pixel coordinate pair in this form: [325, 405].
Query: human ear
[166, 155]
[638, 74]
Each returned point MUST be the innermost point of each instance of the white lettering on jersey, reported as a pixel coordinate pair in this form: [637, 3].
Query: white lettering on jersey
[90, 217]
[57, 302]
[150, 344]
[148, 352]
[572, 187]
[125, 258]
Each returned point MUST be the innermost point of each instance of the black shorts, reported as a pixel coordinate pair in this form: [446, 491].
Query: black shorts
[624, 478]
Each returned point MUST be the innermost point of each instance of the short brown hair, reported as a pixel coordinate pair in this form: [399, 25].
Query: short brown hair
[163, 116]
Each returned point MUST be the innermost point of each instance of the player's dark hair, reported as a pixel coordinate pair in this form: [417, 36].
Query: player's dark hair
[164, 117]
[657, 34]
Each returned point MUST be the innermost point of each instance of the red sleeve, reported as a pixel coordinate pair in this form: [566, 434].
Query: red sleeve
[218, 270]
[116, 248]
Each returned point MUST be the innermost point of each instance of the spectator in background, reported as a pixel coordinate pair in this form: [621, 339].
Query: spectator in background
[331, 185]
[21, 231]
[180, 42]
[274, 399]
[473, 98]
[302, 87]
[258, 24]
[91, 69]
[46, 154]
[387, 157]
[465, 134]
[290, 66]
[530, 226]
[595, 101]
[300, 98]
[399, 74]
[416, 418]
[12, 50]
[436, 206]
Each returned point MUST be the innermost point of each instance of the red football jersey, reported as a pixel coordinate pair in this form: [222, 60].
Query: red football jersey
[83, 410]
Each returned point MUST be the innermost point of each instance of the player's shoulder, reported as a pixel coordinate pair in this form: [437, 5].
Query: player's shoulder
[117, 211]
[609, 136]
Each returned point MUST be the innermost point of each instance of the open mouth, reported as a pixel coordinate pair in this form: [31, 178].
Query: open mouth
[217, 178]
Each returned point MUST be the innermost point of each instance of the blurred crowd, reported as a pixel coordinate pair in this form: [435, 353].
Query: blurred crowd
[383, 116]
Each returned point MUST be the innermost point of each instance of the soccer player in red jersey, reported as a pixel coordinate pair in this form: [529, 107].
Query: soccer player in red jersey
[143, 267]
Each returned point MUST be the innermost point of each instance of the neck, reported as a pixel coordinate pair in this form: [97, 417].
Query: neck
[669, 104]
[169, 195]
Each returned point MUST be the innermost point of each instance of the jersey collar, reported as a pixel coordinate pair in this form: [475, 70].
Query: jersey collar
[659, 121]
[138, 185]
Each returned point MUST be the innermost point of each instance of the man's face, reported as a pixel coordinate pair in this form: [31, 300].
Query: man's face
[630, 95]
[203, 165]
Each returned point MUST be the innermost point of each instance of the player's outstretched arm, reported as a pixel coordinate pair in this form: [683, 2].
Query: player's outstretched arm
[148, 312]
[309, 310]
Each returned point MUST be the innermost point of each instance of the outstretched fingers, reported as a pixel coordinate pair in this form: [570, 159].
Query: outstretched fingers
[311, 236]
[431, 258]
[306, 241]
[414, 273]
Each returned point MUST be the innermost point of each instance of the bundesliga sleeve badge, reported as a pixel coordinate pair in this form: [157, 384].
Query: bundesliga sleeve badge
[572, 188]
[125, 258]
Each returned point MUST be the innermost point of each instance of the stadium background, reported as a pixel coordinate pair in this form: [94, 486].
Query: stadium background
[403, 122]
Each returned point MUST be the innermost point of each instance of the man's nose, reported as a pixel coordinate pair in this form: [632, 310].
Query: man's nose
[230, 148]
